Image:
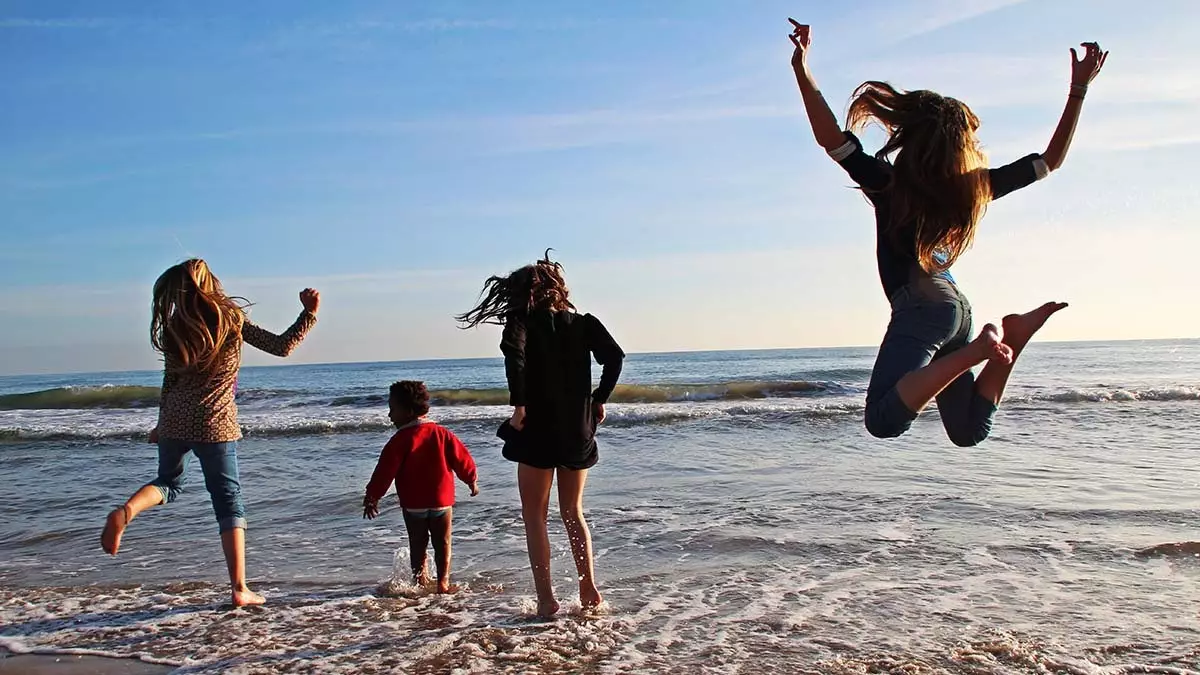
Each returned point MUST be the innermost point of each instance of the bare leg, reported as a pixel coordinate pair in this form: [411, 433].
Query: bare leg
[534, 485]
[418, 543]
[570, 504]
[233, 543]
[118, 519]
[439, 533]
[919, 387]
[1018, 329]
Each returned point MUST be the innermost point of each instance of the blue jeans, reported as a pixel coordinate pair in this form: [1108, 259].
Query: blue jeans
[219, 462]
[930, 318]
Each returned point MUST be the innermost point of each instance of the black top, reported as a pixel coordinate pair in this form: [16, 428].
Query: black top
[548, 363]
[897, 255]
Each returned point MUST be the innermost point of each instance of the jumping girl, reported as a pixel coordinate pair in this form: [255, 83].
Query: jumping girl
[930, 186]
[199, 330]
[548, 350]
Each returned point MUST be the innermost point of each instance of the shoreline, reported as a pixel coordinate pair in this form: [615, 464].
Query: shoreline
[12, 663]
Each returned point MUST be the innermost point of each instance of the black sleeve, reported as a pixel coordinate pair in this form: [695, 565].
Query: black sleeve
[512, 344]
[1013, 177]
[871, 173]
[608, 354]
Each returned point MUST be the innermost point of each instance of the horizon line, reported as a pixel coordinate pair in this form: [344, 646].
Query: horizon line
[648, 353]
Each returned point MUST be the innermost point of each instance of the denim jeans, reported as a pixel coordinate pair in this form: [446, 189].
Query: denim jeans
[219, 462]
[930, 318]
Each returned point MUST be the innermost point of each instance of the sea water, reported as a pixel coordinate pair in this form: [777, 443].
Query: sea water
[743, 521]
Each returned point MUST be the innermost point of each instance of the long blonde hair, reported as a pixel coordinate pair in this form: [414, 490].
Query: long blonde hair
[940, 187]
[192, 317]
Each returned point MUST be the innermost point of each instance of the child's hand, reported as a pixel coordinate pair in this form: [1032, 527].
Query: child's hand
[370, 509]
[598, 413]
[475, 489]
[311, 300]
[153, 436]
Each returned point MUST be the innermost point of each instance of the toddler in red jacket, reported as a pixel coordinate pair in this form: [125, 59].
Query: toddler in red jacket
[421, 459]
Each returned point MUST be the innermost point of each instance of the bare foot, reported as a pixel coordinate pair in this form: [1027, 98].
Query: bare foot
[990, 346]
[547, 608]
[422, 579]
[589, 595]
[244, 597]
[114, 527]
[1019, 328]
[446, 588]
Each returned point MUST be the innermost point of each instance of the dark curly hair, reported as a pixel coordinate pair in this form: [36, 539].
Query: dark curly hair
[410, 394]
[533, 287]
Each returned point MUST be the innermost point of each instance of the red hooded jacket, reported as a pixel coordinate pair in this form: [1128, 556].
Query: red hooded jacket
[422, 459]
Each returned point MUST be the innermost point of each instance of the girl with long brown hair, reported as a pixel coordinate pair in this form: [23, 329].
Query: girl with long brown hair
[930, 186]
[199, 330]
[548, 349]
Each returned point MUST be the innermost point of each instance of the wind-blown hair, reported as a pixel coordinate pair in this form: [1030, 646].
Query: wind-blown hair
[530, 288]
[940, 186]
[191, 316]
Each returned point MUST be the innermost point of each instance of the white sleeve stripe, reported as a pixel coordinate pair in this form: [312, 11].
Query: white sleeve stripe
[843, 151]
[1040, 168]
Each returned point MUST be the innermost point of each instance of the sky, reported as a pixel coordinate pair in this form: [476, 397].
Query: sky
[393, 155]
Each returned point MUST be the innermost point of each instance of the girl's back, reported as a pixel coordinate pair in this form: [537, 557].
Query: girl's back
[549, 363]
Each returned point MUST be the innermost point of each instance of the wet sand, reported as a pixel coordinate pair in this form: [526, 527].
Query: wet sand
[39, 664]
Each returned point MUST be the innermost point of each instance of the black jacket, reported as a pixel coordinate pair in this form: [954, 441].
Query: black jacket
[548, 364]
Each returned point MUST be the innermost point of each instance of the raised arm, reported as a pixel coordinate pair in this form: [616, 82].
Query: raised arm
[824, 123]
[1083, 71]
[282, 345]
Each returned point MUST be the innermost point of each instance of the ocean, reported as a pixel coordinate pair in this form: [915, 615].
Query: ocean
[743, 519]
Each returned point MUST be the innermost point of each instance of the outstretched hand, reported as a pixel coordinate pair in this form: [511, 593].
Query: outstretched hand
[1086, 69]
[370, 509]
[801, 37]
[311, 299]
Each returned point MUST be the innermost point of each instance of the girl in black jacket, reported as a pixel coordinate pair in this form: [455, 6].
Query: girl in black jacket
[548, 349]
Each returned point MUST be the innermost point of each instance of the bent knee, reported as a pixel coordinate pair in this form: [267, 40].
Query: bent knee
[169, 489]
[888, 417]
[968, 439]
[881, 427]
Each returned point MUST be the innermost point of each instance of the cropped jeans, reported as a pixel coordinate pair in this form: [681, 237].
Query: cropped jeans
[219, 463]
[930, 318]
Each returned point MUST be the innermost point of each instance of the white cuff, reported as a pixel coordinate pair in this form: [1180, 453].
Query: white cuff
[1040, 168]
[842, 151]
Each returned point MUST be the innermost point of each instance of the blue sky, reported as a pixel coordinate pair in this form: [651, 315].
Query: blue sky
[394, 154]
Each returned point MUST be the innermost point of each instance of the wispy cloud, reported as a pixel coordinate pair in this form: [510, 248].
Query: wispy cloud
[939, 14]
[989, 80]
[77, 23]
[897, 22]
[360, 34]
[83, 23]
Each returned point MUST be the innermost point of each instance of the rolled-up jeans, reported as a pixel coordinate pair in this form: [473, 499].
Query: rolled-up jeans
[219, 463]
[930, 319]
